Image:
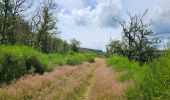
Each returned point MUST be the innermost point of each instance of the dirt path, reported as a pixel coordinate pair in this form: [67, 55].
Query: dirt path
[105, 85]
[83, 82]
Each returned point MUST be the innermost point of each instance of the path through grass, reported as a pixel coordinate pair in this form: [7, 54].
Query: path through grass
[84, 82]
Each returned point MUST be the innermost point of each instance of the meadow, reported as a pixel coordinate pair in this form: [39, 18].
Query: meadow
[16, 61]
[149, 82]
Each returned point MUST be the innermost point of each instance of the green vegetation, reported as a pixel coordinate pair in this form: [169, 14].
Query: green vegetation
[32, 46]
[89, 57]
[74, 59]
[15, 61]
[137, 59]
[57, 58]
[150, 82]
[135, 44]
[77, 58]
[153, 81]
[121, 64]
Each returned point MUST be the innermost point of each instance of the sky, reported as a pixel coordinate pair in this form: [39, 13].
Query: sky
[91, 21]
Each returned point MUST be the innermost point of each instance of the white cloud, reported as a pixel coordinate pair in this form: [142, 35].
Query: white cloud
[98, 12]
[83, 19]
[70, 4]
[161, 16]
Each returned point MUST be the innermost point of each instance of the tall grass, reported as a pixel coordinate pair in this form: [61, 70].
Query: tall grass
[126, 68]
[74, 59]
[150, 82]
[89, 57]
[57, 58]
[77, 58]
[16, 61]
[153, 82]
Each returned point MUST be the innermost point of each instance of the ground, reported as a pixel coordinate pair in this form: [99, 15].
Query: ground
[84, 82]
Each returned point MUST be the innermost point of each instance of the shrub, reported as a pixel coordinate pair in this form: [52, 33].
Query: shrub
[154, 81]
[123, 65]
[89, 57]
[75, 59]
[57, 59]
[16, 61]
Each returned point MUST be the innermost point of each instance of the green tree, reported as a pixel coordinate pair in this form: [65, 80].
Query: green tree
[46, 25]
[75, 45]
[115, 47]
[11, 10]
[138, 38]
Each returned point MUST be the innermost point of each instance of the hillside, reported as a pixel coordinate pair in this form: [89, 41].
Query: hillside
[87, 50]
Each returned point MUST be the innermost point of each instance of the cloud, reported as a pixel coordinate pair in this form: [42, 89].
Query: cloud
[161, 17]
[92, 12]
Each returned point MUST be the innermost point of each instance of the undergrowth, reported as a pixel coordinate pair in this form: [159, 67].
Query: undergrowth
[150, 82]
[18, 60]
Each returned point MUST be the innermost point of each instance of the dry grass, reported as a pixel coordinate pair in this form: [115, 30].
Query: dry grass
[105, 85]
[84, 82]
[56, 85]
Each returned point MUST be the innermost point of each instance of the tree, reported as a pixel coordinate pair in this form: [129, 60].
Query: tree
[46, 24]
[115, 47]
[5, 7]
[138, 38]
[17, 8]
[75, 45]
[11, 10]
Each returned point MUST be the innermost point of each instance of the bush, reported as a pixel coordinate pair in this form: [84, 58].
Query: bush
[89, 57]
[57, 59]
[121, 64]
[154, 81]
[16, 61]
[75, 59]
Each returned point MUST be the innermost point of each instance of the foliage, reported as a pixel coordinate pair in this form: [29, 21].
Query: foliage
[11, 10]
[89, 57]
[123, 65]
[150, 82]
[153, 81]
[115, 47]
[57, 58]
[77, 58]
[75, 45]
[137, 42]
[16, 61]
[74, 59]
[39, 32]
[45, 24]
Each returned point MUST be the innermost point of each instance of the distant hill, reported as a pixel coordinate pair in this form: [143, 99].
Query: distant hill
[97, 52]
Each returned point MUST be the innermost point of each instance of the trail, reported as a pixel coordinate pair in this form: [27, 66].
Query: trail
[84, 82]
[105, 84]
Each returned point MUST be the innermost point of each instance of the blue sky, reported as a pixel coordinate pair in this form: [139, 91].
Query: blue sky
[90, 21]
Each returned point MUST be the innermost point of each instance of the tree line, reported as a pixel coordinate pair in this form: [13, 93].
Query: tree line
[39, 32]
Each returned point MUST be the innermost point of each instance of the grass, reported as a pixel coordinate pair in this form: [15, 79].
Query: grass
[65, 83]
[57, 58]
[18, 60]
[79, 92]
[153, 81]
[126, 68]
[89, 57]
[77, 58]
[150, 82]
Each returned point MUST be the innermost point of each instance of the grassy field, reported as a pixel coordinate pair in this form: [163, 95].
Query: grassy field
[88, 81]
[149, 82]
[16, 61]
[27, 74]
